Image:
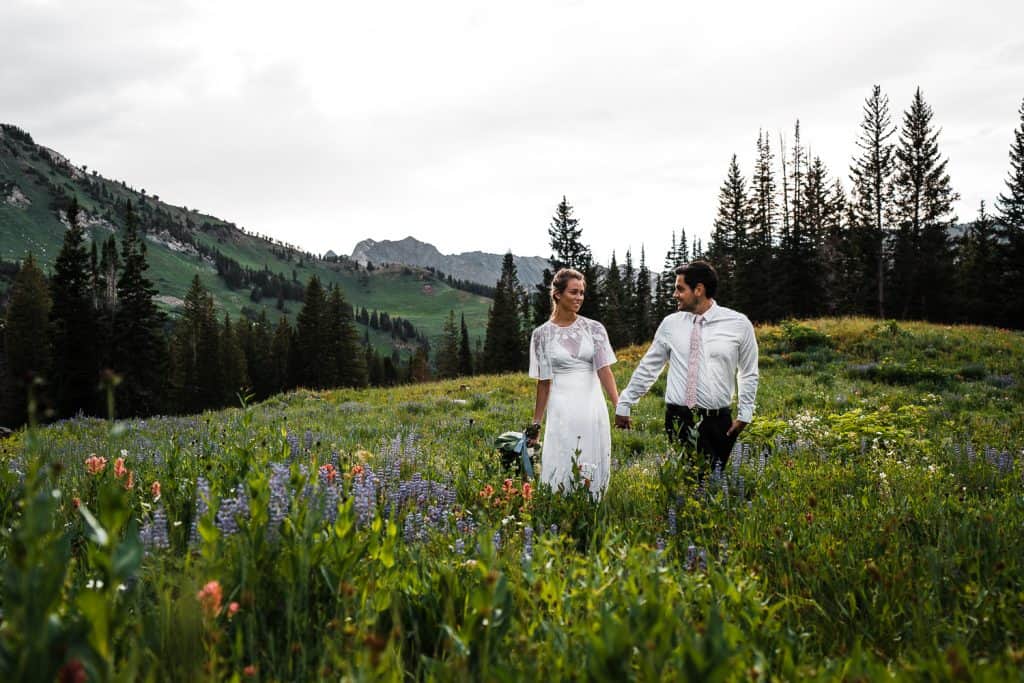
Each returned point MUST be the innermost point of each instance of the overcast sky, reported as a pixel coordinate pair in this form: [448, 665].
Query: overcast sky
[464, 123]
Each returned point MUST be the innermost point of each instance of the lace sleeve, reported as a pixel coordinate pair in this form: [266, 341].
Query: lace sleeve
[603, 353]
[540, 361]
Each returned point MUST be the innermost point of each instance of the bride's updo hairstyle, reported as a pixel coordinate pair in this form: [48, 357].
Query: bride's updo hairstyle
[560, 281]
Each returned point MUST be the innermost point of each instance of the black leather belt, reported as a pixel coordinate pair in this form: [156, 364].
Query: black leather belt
[703, 412]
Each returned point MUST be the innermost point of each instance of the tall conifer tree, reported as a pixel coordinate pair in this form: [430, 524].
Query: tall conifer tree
[26, 338]
[1010, 211]
[465, 353]
[758, 259]
[503, 345]
[448, 349]
[139, 346]
[643, 305]
[350, 368]
[616, 307]
[922, 257]
[196, 379]
[281, 353]
[871, 175]
[978, 259]
[75, 368]
[729, 238]
[234, 370]
[313, 368]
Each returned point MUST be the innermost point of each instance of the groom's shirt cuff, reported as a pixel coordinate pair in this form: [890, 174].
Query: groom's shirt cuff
[622, 409]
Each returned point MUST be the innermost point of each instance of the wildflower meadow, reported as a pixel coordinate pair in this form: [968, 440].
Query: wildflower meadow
[868, 525]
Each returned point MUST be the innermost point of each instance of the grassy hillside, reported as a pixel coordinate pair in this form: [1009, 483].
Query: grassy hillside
[867, 528]
[35, 183]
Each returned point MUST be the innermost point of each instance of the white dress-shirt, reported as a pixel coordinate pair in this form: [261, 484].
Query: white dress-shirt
[729, 350]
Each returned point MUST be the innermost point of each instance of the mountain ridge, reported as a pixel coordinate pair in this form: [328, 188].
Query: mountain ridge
[243, 270]
[475, 266]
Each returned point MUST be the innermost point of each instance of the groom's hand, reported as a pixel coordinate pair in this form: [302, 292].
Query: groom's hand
[623, 422]
[737, 427]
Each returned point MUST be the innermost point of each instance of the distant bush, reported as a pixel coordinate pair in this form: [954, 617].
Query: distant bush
[891, 371]
[800, 337]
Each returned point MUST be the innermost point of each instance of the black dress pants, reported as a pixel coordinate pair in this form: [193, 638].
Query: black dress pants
[712, 439]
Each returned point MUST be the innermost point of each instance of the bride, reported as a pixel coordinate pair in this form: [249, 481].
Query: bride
[570, 357]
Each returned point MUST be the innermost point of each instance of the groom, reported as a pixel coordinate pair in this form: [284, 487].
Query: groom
[709, 349]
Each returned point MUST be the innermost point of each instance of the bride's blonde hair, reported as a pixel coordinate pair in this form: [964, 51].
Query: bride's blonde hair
[560, 281]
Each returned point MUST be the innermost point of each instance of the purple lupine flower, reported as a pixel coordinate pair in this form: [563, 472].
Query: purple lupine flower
[328, 497]
[672, 521]
[553, 529]
[696, 558]
[413, 529]
[280, 498]
[153, 533]
[232, 509]
[364, 493]
[527, 543]
[293, 444]
[659, 545]
[460, 546]
[202, 507]
[737, 458]
[496, 540]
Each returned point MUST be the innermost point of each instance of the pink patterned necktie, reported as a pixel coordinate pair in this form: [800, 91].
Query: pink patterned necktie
[693, 363]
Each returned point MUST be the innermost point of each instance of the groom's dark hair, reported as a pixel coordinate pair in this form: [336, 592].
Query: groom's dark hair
[700, 272]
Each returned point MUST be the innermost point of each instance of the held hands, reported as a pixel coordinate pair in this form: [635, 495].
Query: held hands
[623, 422]
[736, 427]
[532, 434]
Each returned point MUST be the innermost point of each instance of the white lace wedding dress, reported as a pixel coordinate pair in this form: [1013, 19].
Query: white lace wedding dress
[577, 417]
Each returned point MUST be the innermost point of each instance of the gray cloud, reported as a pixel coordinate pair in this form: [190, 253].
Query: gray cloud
[464, 124]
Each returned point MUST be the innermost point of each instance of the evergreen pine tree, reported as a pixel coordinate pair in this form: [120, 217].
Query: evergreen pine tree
[616, 307]
[139, 347]
[448, 349]
[234, 371]
[978, 259]
[665, 283]
[255, 341]
[503, 344]
[75, 367]
[280, 353]
[1010, 210]
[350, 367]
[643, 305]
[793, 271]
[922, 255]
[758, 264]
[26, 339]
[567, 248]
[196, 381]
[568, 251]
[871, 175]
[465, 353]
[313, 367]
[728, 248]
[629, 297]
[822, 253]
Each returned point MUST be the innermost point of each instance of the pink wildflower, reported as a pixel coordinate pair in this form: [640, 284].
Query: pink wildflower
[95, 464]
[210, 597]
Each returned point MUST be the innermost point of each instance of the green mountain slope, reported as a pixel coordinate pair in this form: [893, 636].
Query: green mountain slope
[36, 184]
